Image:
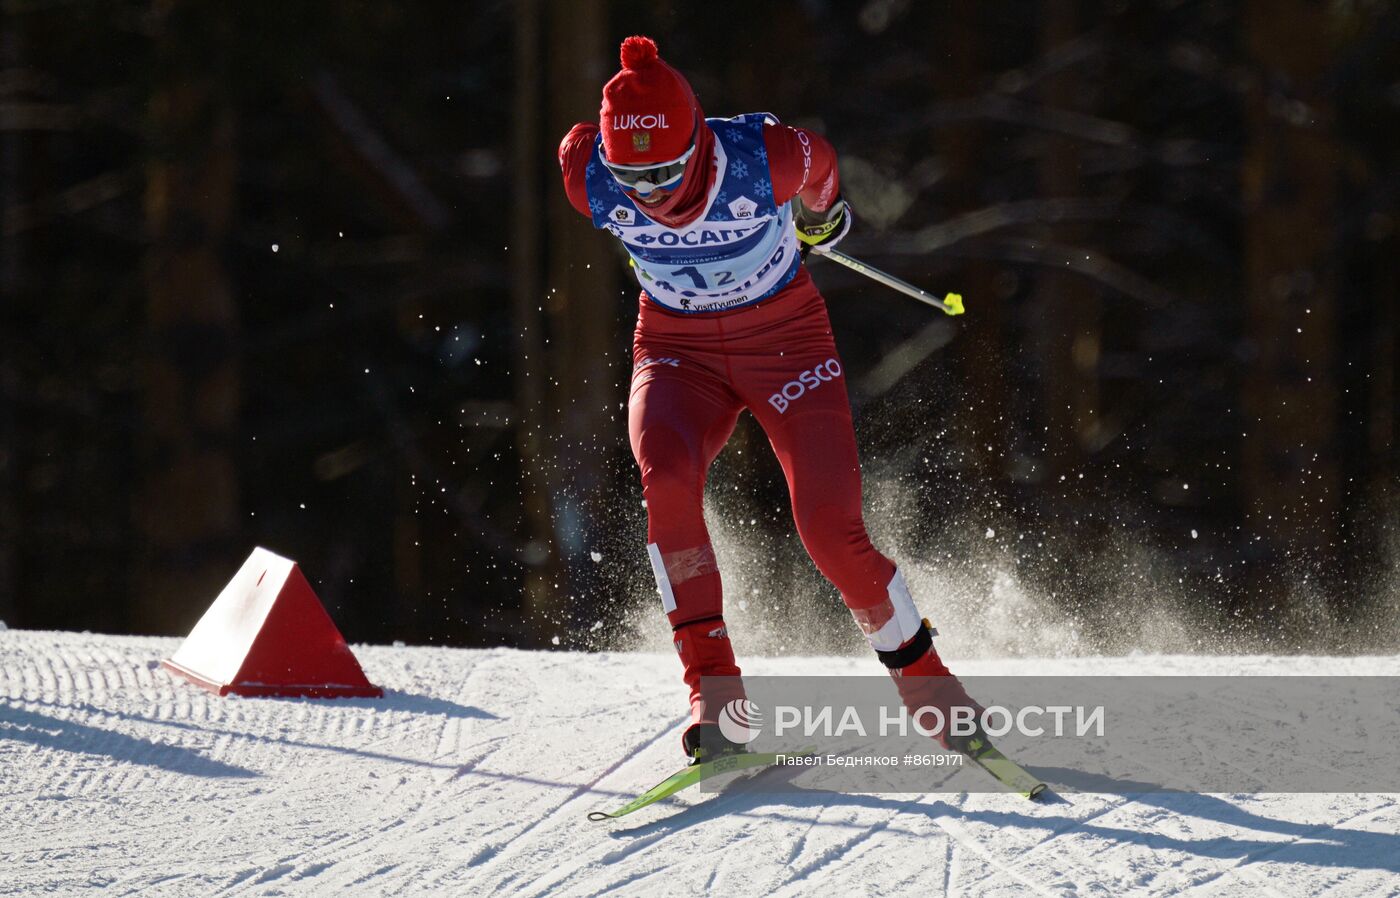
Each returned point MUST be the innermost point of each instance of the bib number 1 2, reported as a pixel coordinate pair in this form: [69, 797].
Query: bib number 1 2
[696, 278]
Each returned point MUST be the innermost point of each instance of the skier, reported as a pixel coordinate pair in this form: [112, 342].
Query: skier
[713, 213]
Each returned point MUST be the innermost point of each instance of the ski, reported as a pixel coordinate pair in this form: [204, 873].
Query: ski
[980, 752]
[693, 775]
[1007, 772]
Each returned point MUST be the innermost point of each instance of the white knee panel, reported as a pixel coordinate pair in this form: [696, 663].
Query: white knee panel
[891, 624]
[663, 580]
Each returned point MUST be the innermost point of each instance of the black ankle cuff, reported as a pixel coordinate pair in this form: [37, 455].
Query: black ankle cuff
[910, 652]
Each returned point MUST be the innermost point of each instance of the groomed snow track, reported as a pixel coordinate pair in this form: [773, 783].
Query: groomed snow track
[473, 777]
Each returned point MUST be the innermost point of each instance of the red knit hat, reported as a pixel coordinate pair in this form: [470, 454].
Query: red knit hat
[649, 111]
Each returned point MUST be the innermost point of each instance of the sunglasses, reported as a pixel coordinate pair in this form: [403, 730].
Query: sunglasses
[653, 176]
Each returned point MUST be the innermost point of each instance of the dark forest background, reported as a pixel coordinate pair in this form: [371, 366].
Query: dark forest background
[302, 275]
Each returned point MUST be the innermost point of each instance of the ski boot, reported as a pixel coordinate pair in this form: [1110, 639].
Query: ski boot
[922, 679]
[974, 744]
[704, 742]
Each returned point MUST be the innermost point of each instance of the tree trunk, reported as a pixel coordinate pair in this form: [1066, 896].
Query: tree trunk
[581, 299]
[1289, 171]
[188, 495]
[979, 354]
[531, 375]
[10, 248]
[1067, 305]
[1384, 406]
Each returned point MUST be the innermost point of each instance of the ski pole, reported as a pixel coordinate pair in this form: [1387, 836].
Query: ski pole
[952, 303]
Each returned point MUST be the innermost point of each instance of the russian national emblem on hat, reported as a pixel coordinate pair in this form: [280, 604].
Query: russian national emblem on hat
[649, 112]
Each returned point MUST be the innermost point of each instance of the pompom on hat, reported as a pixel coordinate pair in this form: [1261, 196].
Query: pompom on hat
[649, 112]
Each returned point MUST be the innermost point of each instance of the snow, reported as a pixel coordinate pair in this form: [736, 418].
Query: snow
[473, 777]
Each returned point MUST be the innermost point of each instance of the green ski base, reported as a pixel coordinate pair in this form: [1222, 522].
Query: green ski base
[1006, 771]
[692, 775]
[983, 754]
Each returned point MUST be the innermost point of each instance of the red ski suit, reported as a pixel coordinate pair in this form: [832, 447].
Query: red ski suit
[692, 376]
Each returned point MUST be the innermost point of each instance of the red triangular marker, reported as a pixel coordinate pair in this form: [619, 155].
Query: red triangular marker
[268, 634]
